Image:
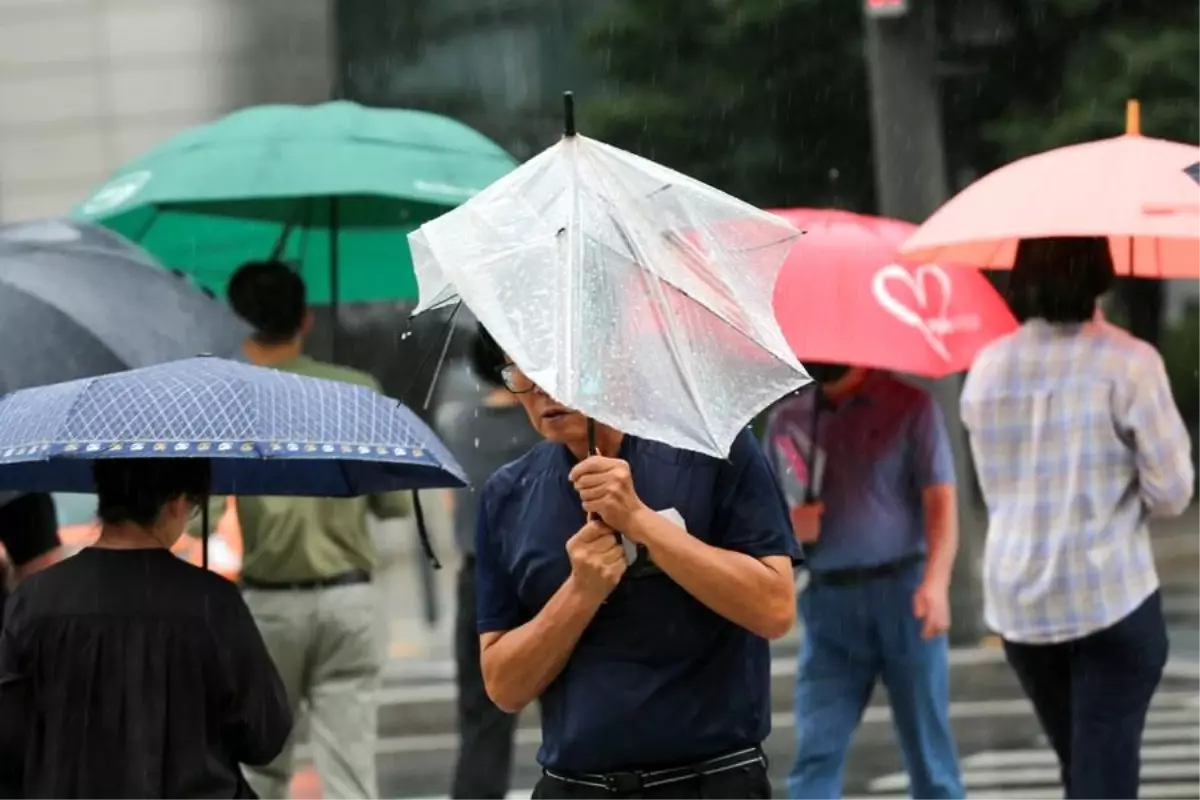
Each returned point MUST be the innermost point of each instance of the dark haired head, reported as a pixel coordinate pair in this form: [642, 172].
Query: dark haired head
[270, 296]
[487, 358]
[1059, 279]
[135, 490]
[29, 527]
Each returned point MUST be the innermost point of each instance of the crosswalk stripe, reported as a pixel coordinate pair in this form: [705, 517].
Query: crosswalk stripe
[1170, 754]
[1171, 733]
[1153, 791]
[1170, 761]
[1039, 776]
[515, 794]
[1164, 733]
[785, 720]
[991, 759]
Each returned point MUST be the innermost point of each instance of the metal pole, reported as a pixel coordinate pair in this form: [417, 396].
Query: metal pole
[334, 281]
[911, 182]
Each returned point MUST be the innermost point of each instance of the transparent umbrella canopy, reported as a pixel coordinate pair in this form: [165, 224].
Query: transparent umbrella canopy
[626, 290]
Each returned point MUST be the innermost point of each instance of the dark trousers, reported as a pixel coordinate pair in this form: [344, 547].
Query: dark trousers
[750, 782]
[485, 751]
[1092, 695]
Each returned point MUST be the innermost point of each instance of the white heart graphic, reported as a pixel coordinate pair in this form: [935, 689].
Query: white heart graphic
[931, 326]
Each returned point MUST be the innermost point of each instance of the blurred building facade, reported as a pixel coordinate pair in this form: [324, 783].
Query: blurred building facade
[86, 85]
[500, 66]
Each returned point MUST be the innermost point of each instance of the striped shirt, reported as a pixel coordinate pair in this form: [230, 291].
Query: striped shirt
[1077, 442]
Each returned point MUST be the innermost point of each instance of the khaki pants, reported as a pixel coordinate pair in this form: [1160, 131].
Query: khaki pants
[324, 644]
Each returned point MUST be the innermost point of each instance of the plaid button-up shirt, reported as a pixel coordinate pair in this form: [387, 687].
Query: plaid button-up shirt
[1077, 442]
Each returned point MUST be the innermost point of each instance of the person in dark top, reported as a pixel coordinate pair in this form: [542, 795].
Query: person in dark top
[485, 433]
[29, 533]
[648, 654]
[125, 671]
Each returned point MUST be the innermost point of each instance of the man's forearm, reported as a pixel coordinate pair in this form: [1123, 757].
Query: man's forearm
[941, 532]
[758, 596]
[522, 662]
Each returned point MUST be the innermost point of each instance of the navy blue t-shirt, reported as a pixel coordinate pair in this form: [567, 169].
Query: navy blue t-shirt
[657, 679]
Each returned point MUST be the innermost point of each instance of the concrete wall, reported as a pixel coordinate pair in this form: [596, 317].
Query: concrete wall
[86, 85]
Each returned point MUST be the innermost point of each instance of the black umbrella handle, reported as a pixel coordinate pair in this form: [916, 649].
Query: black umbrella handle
[593, 451]
[568, 114]
[423, 531]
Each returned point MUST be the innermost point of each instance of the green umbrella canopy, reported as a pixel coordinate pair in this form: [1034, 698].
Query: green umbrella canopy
[283, 177]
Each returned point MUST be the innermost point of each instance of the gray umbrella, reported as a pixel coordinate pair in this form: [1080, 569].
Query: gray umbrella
[78, 300]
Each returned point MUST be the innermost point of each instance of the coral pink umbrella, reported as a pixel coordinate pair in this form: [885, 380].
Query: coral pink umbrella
[1133, 189]
[843, 298]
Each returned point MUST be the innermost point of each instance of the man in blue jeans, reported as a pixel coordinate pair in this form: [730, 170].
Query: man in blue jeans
[880, 544]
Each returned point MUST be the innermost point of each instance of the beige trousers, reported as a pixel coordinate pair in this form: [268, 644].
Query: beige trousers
[325, 645]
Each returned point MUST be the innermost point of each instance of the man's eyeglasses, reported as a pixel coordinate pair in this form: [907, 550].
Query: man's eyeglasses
[515, 380]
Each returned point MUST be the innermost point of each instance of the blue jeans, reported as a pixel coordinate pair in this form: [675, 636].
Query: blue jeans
[853, 635]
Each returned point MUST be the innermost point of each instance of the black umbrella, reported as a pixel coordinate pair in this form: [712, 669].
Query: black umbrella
[78, 301]
[1194, 171]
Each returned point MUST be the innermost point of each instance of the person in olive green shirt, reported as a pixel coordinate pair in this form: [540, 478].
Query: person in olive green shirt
[306, 568]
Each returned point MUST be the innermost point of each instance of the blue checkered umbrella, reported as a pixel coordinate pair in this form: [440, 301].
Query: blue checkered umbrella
[267, 432]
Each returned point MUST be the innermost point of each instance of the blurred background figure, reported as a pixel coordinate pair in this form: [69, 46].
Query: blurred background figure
[29, 535]
[485, 434]
[1078, 443]
[307, 565]
[880, 538]
[126, 672]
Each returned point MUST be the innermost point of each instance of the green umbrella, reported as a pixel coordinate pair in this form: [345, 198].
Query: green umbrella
[332, 188]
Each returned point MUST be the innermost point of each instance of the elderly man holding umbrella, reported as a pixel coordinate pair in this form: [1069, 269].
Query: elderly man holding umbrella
[631, 568]
[656, 680]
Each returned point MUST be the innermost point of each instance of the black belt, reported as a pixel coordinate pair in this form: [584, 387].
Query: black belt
[354, 576]
[852, 575]
[636, 780]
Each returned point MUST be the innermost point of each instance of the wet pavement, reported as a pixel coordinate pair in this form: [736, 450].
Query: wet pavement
[1000, 746]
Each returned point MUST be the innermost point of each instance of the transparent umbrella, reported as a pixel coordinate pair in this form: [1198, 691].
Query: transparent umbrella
[626, 290]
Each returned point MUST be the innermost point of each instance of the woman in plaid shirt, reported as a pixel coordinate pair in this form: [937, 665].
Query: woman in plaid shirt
[1078, 443]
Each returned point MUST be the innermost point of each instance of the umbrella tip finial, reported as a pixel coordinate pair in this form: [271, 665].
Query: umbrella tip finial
[1133, 118]
[568, 113]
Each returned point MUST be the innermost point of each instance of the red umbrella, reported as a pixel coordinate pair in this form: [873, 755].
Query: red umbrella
[843, 297]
